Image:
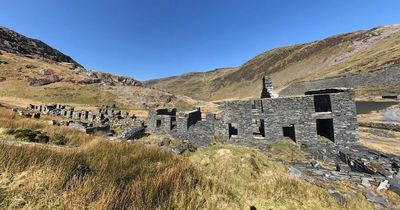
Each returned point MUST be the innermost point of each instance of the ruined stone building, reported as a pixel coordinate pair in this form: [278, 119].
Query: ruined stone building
[330, 113]
[106, 118]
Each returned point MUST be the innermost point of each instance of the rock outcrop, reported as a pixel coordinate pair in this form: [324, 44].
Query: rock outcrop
[42, 81]
[13, 42]
[92, 77]
[340, 59]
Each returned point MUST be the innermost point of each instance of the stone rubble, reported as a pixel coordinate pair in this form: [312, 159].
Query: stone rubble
[105, 119]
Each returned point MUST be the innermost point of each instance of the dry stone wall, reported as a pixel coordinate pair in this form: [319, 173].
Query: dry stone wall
[329, 113]
[105, 119]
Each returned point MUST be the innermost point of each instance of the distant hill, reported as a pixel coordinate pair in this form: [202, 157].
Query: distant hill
[33, 72]
[344, 60]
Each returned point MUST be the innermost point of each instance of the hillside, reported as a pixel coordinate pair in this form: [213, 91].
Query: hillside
[89, 172]
[55, 161]
[352, 54]
[33, 72]
[16, 43]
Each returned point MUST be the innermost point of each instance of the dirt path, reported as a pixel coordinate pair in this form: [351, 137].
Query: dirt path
[388, 143]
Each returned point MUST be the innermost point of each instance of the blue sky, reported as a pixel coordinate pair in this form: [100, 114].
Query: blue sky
[154, 38]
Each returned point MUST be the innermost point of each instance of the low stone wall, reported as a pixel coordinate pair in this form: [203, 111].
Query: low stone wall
[385, 77]
[381, 125]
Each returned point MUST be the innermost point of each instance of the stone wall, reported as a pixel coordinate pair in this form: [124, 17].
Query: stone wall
[385, 77]
[267, 88]
[344, 117]
[382, 125]
[330, 113]
[105, 118]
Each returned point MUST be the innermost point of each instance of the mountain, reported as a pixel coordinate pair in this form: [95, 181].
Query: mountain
[368, 60]
[33, 72]
[16, 43]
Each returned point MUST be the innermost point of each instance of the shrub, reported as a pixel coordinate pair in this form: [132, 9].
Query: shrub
[29, 135]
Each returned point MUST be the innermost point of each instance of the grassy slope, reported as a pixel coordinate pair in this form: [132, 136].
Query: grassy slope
[137, 176]
[119, 175]
[352, 52]
[14, 90]
[250, 178]
[195, 85]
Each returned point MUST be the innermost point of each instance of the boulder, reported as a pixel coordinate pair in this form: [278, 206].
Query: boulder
[365, 182]
[395, 184]
[295, 173]
[183, 147]
[133, 132]
[317, 172]
[337, 196]
[383, 185]
[379, 201]
[45, 72]
[41, 82]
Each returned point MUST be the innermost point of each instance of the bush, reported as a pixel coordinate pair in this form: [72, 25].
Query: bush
[42, 138]
[29, 135]
[10, 132]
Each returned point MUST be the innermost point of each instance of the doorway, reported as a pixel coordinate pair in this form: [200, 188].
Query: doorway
[325, 129]
[290, 132]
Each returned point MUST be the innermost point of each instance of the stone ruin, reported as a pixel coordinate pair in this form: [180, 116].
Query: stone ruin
[329, 113]
[105, 119]
[322, 122]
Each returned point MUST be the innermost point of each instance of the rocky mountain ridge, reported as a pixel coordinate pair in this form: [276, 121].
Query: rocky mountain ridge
[351, 53]
[13, 42]
[32, 71]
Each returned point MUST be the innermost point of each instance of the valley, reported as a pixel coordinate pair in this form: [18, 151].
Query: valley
[73, 138]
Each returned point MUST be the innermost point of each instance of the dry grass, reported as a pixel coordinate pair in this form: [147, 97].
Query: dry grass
[247, 178]
[286, 151]
[96, 175]
[10, 120]
[105, 175]
[389, 143]
[389, 149]
[68, 91]
[316, 60]
[155, 139]
[60, 92]
[100, 176]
